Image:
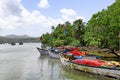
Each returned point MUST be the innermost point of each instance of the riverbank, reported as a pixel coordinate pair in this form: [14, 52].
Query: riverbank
[104, 53]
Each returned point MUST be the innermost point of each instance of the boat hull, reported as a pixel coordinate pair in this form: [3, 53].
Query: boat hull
[114, 73]
[42, 51]
[53, 54]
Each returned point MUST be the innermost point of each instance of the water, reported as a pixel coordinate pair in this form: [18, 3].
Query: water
[23, 62]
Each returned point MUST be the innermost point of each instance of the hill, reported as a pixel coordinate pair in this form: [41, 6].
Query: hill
[18, 38]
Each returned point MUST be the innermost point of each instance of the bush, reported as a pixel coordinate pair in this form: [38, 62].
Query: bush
[57, 43]
[68, 40]
[74, 42]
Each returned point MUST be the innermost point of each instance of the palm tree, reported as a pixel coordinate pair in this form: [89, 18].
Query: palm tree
[79, 27]
[51, 36]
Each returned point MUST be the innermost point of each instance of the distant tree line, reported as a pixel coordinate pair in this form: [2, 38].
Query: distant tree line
[17, 40]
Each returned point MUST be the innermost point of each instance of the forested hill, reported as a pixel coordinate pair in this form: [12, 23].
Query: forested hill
[18, 38]
[102, 30]
[104, 27]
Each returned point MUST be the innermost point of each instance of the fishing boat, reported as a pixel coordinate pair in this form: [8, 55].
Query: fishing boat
[54, 53]
[13, 43]
[42, 51]
[20, 43]
[105, 71]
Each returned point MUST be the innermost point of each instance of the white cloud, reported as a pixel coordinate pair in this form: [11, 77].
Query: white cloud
[80, 17]
[68, 12]
[10, 12]
[23, 17]
[13, 15]
[43, 4]
[10, 7]
[69, 15]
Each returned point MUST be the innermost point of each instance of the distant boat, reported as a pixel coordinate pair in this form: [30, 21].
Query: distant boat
[13, 43]
[42, 51]
[1, 43]
[20, 43]
[53, 53]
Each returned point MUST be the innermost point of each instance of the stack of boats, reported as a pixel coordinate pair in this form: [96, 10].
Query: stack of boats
[52, 52]
[78, 60]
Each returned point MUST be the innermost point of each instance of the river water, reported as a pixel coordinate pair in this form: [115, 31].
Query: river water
[23, 62]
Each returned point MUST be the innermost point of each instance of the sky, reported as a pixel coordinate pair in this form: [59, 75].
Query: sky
[36, 17]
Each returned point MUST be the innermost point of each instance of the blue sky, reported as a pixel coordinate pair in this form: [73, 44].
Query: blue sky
[35, 17]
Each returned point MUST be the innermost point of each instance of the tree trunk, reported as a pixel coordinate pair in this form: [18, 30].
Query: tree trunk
[112, 51]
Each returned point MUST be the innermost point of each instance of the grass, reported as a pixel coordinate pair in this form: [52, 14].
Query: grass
[103, 54]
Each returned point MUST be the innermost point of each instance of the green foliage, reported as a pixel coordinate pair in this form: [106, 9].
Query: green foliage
[68, 40]
[58, 43]
[46, 39]
[102, 29]
[74, 42]
[79, 31]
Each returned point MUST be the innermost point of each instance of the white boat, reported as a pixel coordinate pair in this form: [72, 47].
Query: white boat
[53, 54]
[42, 51]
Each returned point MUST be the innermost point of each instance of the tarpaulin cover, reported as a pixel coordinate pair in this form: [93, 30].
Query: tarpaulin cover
[89, 62]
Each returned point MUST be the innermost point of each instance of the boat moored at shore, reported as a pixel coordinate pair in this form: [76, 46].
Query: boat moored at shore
[42, 51]
[105, 71]
[54, 54]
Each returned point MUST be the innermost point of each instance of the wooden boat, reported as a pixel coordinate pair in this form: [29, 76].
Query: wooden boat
[42, 51]
[53, 54]
[13, 43]
[20, 43]
[105, 71]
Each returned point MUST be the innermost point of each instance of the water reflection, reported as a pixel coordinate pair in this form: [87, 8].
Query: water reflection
[69, 74]
[11, 70]
[49, 68]
[25, 63]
